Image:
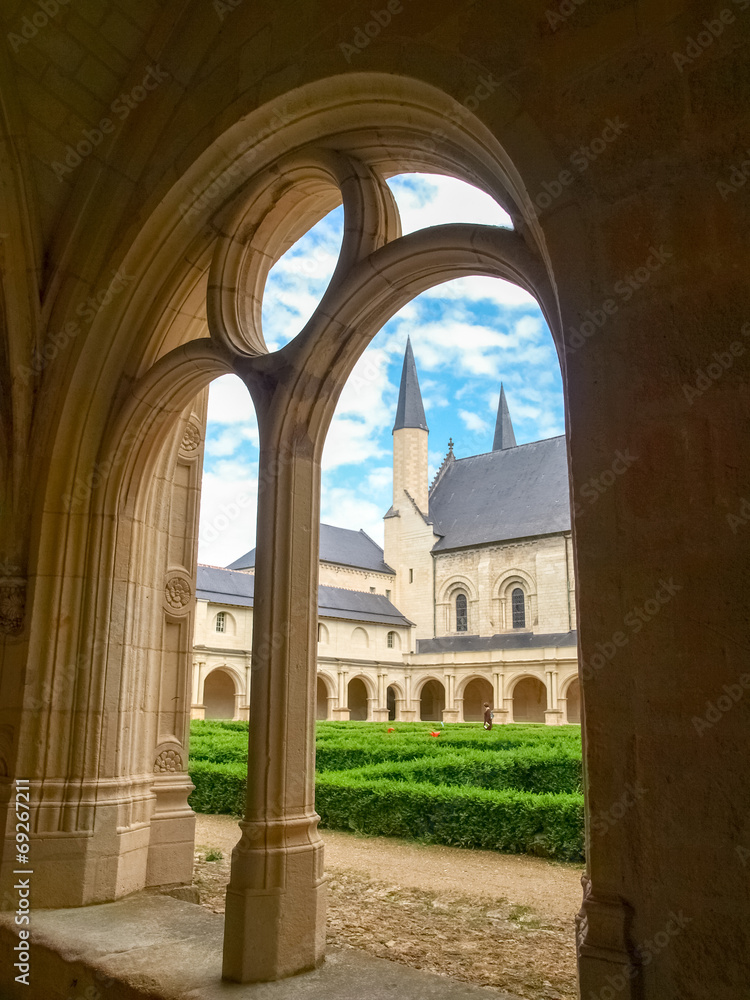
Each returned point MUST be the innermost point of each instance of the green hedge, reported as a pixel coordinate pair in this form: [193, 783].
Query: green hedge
[516, 822]
[219, 788]
[527, 769]
[514, 789]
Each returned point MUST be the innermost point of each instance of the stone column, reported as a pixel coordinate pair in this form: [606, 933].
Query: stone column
[380, 709]
[553, 716]
[500, 708]
[341, 711]
[275, 909]
[450, 712]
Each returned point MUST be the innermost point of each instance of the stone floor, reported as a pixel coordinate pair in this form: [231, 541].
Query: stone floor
[162, 948]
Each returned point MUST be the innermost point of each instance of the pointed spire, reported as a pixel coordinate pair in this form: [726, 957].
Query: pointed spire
[504, 436]
[410, 411]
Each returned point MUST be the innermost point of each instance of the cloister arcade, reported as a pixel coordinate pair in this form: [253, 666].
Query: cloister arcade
[258, 129]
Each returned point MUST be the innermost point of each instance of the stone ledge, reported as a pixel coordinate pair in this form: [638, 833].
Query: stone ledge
[159, 948]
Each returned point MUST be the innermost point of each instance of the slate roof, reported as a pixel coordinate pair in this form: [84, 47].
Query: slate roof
[410, 409]
[508, 640]
[512, 493]
[338, 545]
[226, 586]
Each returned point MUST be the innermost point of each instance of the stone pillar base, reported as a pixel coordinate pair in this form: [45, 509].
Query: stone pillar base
[340, 713]
[502, 716]
[450, 715]
[197, 711]
[172, 842]
[409, 715]
[554, 717]
[275, 923]
[380, 715]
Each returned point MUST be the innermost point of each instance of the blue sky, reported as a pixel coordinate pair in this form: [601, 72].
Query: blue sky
[468, 336]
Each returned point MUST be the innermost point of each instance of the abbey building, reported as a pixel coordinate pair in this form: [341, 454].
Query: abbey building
[471, 600]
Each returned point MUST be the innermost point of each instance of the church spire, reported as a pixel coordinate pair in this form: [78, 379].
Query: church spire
[410, 411]
[504, 436]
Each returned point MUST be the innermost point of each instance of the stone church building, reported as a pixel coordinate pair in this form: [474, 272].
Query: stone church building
[471, 601]
[157, 157]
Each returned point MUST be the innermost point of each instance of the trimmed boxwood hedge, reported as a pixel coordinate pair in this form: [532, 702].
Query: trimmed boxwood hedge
[517, 822]
[527, 769]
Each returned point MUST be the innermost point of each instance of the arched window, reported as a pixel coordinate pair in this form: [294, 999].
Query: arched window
[221, 621]
[462, 613]
[389, 640]
[518, 603]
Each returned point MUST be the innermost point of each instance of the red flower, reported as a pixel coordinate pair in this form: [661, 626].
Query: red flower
[433, 733]
[391, 730]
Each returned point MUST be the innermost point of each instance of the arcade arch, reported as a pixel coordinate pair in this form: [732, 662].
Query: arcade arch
[529, 700]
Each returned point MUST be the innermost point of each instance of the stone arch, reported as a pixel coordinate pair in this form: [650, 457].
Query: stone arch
[572, 695]
[474, 692]
[360, 637]
[323, 634]
[529, 699]
[359, 696]
[219, 690]
[322, 694]
[154, 362]
[431, 700]
[394, 697]
[503, 591]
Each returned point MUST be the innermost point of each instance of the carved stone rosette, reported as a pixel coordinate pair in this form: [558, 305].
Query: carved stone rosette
[178, 593]
[168, 761]
[191, 439]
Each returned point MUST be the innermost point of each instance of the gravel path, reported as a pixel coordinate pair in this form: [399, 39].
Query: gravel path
[502, 921]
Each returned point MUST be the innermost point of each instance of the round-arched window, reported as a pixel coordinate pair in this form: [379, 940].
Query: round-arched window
[518, 604]
[462, 613]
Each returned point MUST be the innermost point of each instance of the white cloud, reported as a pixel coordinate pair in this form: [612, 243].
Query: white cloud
[229, 500]
[503, 294]
[432, 200]
[473, 421]
[229, 402]
[346, 510]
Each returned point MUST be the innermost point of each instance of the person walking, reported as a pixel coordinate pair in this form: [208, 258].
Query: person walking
[488, 716]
